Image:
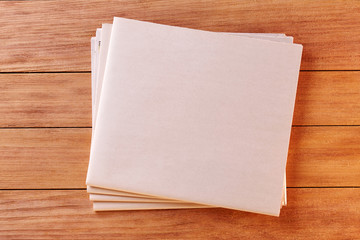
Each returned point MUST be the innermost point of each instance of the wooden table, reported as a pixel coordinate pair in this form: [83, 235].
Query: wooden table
[45, 121]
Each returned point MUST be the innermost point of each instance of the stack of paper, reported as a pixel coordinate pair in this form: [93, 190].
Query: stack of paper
[185, 118]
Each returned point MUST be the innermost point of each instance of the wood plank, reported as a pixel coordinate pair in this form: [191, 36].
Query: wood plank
[64, 100]
[324, 156]
[55, 35]
[310, 214]
[328, 98]
[58, 158]
[44, 158]
[45, 100]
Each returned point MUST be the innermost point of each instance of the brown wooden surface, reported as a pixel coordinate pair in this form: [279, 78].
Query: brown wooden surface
[328, 98]
[54, 35]
[44, 158]
[310, 214]
[45, 100]
[45, 121]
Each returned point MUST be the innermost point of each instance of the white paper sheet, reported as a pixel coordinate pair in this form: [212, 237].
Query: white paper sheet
[287, 56]
[109, 198]
[111, 206]
[105, 38]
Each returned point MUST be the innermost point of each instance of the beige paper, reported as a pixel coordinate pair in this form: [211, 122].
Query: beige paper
[181, 177]
[110, 198]
[114, 206]
[105, 38]
[102, 191]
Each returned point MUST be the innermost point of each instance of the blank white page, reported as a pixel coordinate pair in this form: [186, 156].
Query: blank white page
[105, 39]
[195, 116]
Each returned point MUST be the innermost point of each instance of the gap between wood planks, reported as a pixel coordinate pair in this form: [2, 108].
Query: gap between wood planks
[86, 127]
[314, 70]
[83, 189]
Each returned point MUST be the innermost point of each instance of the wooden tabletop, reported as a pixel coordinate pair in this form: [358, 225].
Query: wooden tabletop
[45, 120]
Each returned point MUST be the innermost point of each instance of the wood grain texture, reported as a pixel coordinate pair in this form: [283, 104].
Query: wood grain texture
[328, 98]
[45, 100]
[55, 35]
[324, 157]
[44, 158]
[64, 99]
[58, 158]
[311, 214]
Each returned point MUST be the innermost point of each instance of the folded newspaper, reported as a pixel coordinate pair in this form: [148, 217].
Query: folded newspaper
[185, 118]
